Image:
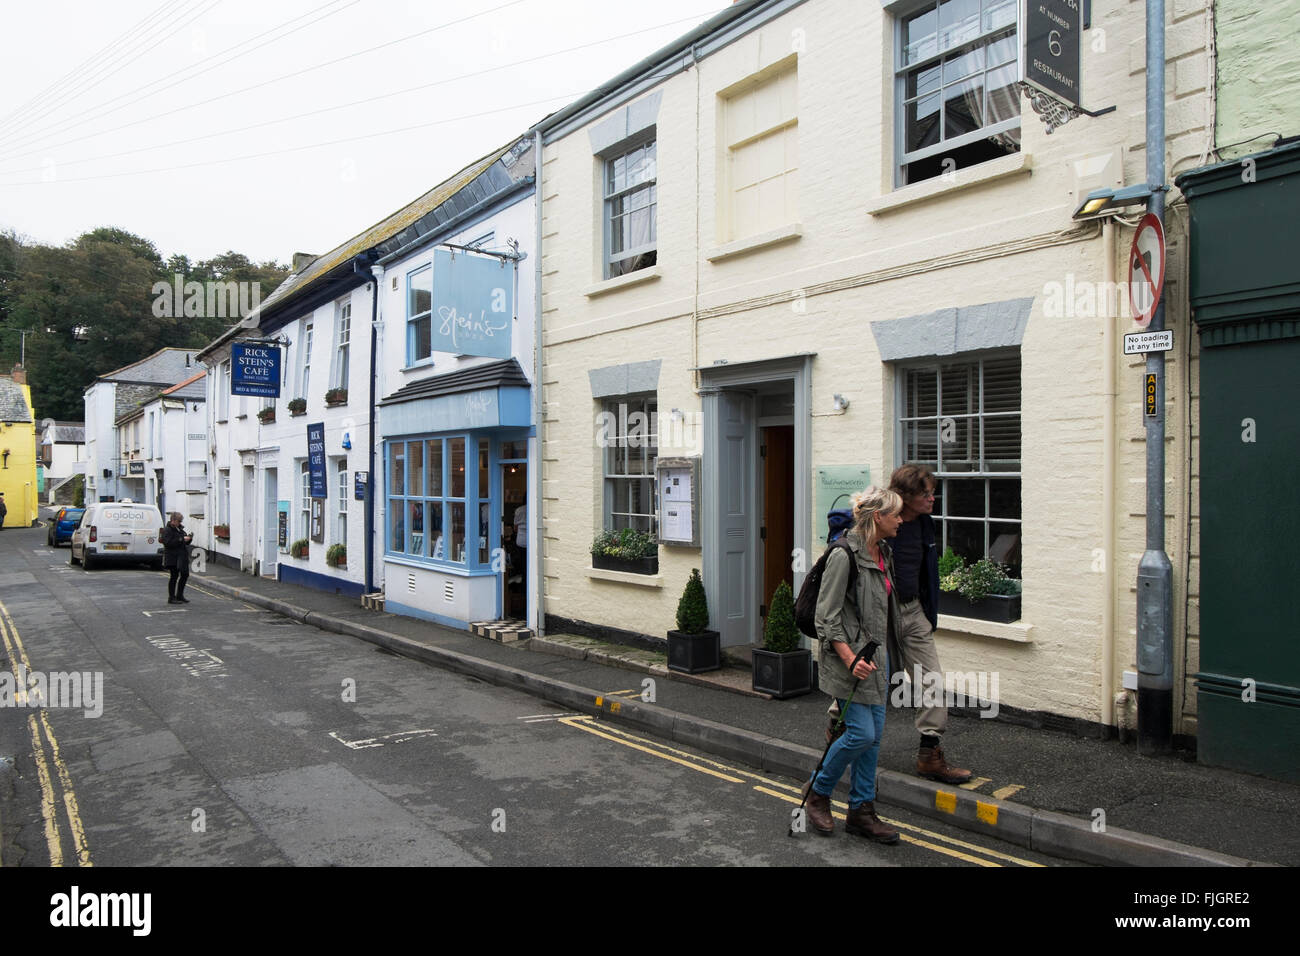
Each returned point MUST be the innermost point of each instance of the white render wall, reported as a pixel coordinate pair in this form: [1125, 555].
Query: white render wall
[866, 252]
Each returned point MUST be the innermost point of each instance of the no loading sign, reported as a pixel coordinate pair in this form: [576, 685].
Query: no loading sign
[1146, 268]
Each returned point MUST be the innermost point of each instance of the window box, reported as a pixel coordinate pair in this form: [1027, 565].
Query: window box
[782, 674]
[336, 556]
[222, 531]
[266, 416]
[299, 549]
[297, 406]
[1000, 608]
[608, 562]
[336, 396]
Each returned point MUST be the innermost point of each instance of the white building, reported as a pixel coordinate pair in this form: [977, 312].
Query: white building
[62, 453]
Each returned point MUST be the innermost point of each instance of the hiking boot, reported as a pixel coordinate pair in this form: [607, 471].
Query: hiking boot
[862, 821]
[819, 811]
[931, 765]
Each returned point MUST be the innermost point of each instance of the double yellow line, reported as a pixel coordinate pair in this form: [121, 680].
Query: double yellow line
[919, 836]
[49, 766]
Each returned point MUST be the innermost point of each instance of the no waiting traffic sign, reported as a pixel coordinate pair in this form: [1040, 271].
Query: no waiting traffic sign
[1146, 268]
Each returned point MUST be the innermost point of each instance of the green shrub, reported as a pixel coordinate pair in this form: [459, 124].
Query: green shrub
[949, 562]
[625, 543]
[299, 548]
[780, 634]
[336, 554]
[693, 608]
[981, 579]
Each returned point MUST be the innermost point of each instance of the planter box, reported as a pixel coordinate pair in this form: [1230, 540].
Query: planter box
[694, 653]
[631, 565]
[1001, 608]
[788, 674]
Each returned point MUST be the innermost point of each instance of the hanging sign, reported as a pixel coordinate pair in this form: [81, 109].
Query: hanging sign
[255, 370]
[1050, 59]
[1146, 268]
[316, 459]
[473, 304]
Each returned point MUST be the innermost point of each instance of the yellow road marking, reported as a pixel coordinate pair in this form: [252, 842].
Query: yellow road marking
[926, 844]
[581, 724]
[773, 788]
[1003, 793]
[988, 812]
[13, 640]
[947, 802]
[974, 783]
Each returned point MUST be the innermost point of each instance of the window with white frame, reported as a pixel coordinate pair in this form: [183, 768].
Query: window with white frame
[957, 102]
[419, 315]
[761, 164]
[341, 525]
[306, 359]
[631, 200]
[343, 344]
[961, 418]
[223, 393]
[223, 496]
[304, 499]
[631, 448]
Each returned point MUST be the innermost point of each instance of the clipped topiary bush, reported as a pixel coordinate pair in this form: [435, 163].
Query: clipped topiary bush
[693, 608]
[780, 635]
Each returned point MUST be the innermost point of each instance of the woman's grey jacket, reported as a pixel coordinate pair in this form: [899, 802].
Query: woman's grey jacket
[840, 618]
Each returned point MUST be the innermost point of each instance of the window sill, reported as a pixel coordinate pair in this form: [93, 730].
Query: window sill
[419, 366]
[622, 282]
[457, 570]
[740, 247]
[938, 187]
[626, 577]
[1017, 631]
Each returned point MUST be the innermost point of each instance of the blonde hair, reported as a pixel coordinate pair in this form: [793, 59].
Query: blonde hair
[867, 503]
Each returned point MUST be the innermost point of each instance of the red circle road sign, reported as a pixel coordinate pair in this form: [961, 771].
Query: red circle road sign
[1146, 268]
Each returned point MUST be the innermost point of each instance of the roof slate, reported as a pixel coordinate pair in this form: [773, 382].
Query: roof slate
[13, 403]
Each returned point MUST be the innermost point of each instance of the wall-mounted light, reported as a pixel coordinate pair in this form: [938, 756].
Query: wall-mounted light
[1107, 202]
[678, 415]
[839, 402]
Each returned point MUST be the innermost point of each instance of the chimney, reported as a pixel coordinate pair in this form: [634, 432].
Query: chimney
[301, 260]
[19, 375]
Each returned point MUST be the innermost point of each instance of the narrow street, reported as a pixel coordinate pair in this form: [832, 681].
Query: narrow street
[230, 735]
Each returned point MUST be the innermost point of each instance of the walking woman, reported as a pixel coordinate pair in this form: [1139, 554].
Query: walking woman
[176, 557]
[847, 620]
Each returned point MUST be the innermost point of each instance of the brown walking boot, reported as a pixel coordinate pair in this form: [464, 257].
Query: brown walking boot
[819, 811]
[862, 821]
[931, 765]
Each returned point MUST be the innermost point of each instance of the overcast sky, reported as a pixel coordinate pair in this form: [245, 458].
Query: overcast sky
[138, 115]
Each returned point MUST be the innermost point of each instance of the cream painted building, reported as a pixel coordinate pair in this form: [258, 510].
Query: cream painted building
[812, 238]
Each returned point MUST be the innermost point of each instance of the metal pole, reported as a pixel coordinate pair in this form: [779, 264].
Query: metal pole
[1155, 573]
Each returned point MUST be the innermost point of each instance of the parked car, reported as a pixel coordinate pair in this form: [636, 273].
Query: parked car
[62, 525]
[120, 531]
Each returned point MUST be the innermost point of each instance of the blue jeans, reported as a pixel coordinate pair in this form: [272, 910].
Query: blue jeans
[858, 746]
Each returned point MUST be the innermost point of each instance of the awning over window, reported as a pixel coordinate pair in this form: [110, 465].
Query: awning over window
[493, 395]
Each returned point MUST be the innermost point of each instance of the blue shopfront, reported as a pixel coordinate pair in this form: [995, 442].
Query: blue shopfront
[456, 453]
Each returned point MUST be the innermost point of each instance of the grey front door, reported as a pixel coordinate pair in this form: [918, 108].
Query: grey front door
[737, 608]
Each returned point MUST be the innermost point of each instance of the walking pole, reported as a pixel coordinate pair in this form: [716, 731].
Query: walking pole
[867, 652]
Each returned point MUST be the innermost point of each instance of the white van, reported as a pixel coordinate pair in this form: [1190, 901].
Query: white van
[119, 531]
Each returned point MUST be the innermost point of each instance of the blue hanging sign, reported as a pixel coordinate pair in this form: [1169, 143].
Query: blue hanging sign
[473, 304]
[255, 370]
[316, 459]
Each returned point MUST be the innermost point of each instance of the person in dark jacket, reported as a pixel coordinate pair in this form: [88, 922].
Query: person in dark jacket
[176, 558]
[916, 564]
[4, 509]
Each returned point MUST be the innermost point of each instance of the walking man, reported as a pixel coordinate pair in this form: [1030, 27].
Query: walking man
[916, 567]
[176, 558]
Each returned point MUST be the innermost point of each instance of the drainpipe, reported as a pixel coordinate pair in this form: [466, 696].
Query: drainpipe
[1108, 346]
[535, 526]
[376, 277]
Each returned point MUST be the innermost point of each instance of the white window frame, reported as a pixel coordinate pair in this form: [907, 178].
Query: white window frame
[304, 503]
[942, 419]
[223, 393]
[415, 319]
[223, 497]
[647, 445]
[982, 39]
[632, 259]
[341, 519]
[307, 335]
[342, 343]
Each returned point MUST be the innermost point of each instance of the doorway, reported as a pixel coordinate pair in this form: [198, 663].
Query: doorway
[270, 523]
[514, 539]
[776, 451]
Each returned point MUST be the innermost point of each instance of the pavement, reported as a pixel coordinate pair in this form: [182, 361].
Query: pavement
[1085, 799]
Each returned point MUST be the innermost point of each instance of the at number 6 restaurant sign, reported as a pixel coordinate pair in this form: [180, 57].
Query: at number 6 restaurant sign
[1050, 55]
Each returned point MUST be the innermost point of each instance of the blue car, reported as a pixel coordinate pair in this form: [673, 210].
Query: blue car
[62, 525]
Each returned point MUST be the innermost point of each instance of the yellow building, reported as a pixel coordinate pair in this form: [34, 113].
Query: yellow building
[17, 450]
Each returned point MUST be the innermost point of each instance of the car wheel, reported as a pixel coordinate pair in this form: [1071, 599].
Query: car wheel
[49, 538]
[72, 556]
[85, 562]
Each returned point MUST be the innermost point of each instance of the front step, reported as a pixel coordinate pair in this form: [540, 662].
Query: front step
[506, 631]
[373, 601]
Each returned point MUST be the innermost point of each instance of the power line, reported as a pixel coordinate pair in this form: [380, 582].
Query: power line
[360, 102]
[99, 73]
[255, 86]
[315, 17]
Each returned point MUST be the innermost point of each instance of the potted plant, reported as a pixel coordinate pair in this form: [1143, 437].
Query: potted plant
[266, 415]
[297, 406]
[693, 648]
[336, 556]
[781, 667]
[222, 531]
[983, 591]
[625, 550]
[336, 396]
[299, 548]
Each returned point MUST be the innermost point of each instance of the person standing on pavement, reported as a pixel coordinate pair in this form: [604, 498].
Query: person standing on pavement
[847, 620]
[916, 561]
[176, 558]
[4, 510]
